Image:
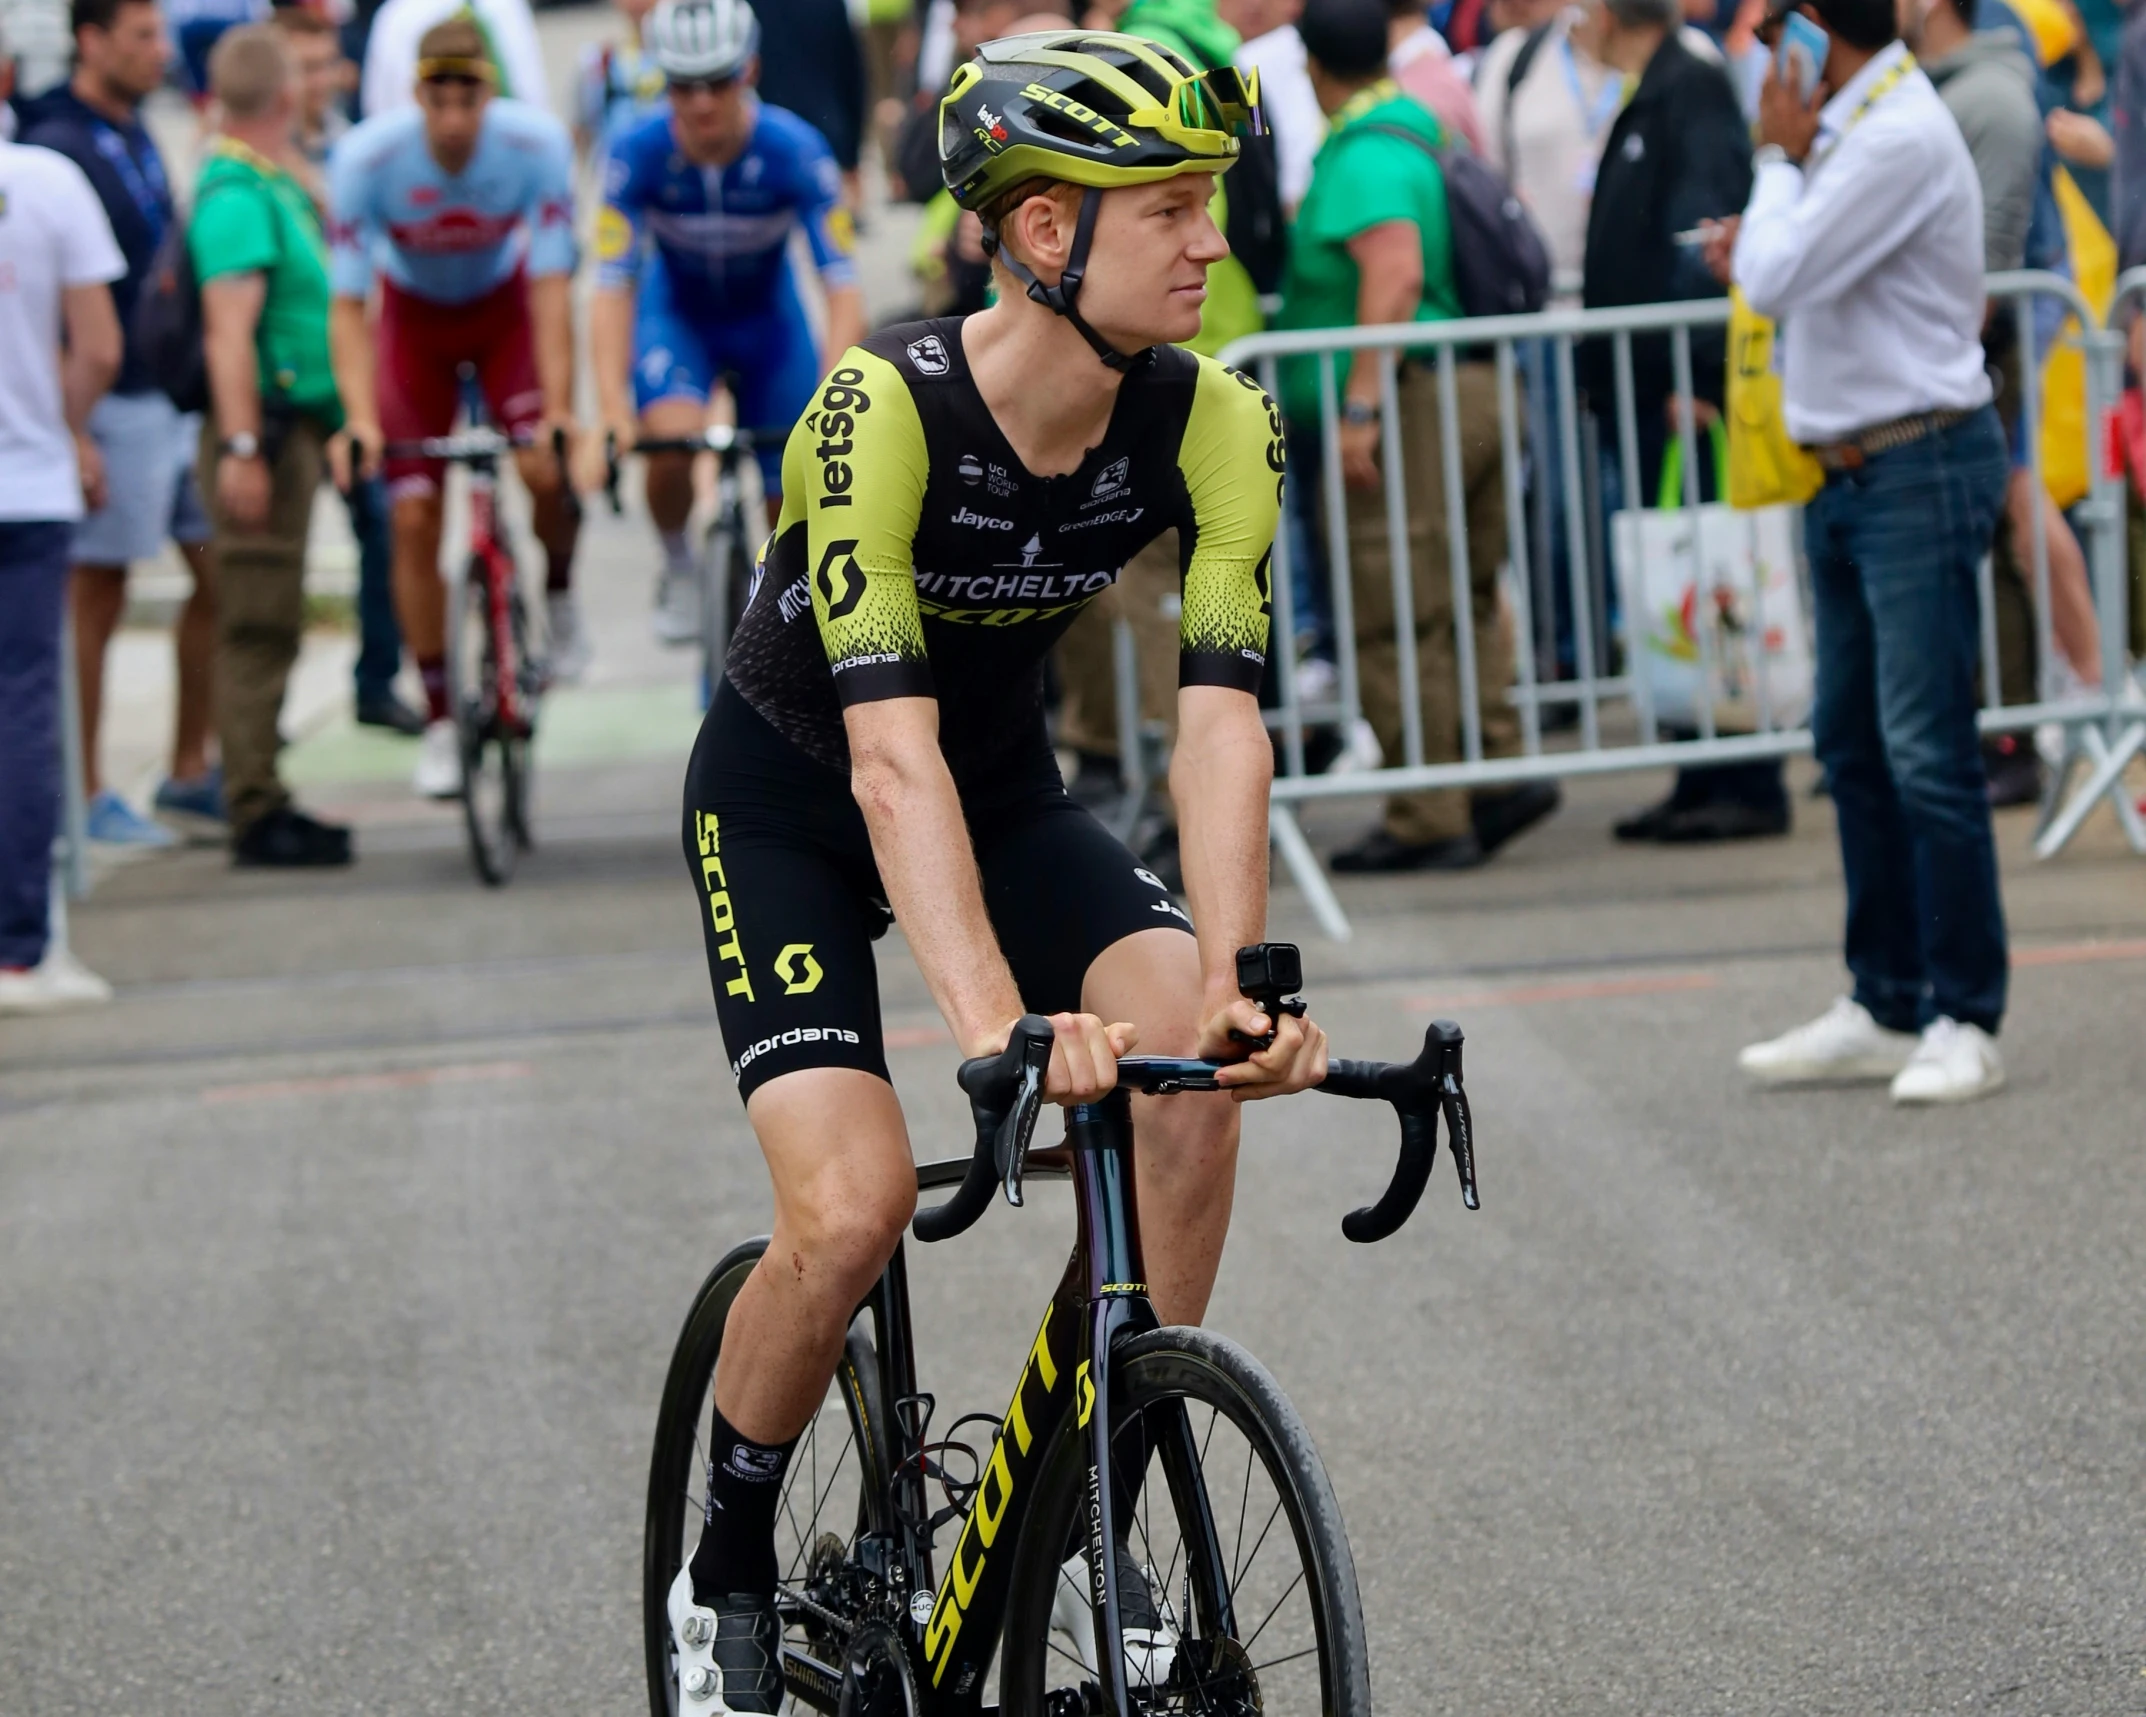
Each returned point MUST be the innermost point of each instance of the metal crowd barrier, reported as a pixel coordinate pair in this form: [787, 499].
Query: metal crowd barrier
[2103, 728]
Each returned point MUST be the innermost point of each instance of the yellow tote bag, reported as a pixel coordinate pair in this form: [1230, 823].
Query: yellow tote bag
[2064, 435]
[1766, 468]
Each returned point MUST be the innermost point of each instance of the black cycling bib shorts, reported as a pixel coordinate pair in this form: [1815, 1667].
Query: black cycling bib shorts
[917, 557]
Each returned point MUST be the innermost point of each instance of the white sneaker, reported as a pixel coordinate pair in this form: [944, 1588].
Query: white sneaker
[1954, 1063]
[1843, 1043]
[677, 616]
[439, 762]
[61, 982]
[569, 659]
[729, 1660]
[1145, 1625]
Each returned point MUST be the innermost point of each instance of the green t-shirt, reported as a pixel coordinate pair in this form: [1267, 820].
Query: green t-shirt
[1362, 178]
[251, 217]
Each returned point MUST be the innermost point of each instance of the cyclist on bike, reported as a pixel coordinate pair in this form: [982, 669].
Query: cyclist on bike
[463, 208]
[694, 280]
[960, 489]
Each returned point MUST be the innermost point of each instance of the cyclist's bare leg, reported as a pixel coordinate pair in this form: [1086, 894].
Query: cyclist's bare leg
[420, 594]
[837, 1151]
[1186, 1164]
[558, 524]
[670, 475]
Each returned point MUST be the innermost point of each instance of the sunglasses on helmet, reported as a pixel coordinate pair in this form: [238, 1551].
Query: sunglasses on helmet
[701, 85]
[1224, 99]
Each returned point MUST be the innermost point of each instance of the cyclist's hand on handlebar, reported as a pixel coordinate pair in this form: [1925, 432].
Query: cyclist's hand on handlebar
[1290, 1054]
[354, 454]
[1084, 1059]
[588, 461]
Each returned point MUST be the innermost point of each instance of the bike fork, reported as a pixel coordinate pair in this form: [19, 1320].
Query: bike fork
[1118, 1308]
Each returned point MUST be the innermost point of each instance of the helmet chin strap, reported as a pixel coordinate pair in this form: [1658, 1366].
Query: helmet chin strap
[1060, 298]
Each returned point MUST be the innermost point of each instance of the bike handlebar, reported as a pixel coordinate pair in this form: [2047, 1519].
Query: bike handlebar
[1006, 1099]
[716, 438]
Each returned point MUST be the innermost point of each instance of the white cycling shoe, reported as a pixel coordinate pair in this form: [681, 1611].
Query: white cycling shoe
[1144, 1623]
[569, 659]
[676, 620]
[729, 1658]
[439, 762]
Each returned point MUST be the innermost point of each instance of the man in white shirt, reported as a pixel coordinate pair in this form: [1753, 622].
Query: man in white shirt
[1863, 238]
[57, 260]
[390, 77]
[1272, 48]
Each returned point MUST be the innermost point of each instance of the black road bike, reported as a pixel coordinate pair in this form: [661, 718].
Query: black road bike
[736, 530]
[1147, 1528]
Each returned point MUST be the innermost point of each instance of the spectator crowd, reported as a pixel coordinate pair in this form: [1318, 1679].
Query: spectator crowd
[1657, 153]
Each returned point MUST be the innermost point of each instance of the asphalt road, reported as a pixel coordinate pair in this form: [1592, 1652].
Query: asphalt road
[341, 1258]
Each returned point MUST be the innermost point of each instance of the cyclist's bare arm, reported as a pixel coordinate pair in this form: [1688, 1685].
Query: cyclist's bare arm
[921, 841]
[551, 310]
[350, 352]
[1219, 776]
[611, 357]
[845, 323]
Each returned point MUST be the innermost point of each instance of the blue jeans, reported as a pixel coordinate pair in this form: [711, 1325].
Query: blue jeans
[33, 584]
[1894, 549]
[379, 637]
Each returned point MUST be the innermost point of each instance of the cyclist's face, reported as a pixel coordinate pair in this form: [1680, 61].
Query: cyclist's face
[1153, 246]
[454, 114]
[714, 120]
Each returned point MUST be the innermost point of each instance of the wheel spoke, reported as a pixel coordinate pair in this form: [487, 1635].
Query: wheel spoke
[1273, 1662]
[1271, 1614]
[1263, 1531]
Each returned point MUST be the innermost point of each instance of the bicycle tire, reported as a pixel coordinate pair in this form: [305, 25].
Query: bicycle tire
[673, 1466]
[494, 761]
[725, 583]
[1200, 1369]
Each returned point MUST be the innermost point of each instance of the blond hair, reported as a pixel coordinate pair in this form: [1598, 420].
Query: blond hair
[250, 70]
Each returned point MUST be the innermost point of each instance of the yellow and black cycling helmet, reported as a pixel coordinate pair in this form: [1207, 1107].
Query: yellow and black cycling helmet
[1088, 108]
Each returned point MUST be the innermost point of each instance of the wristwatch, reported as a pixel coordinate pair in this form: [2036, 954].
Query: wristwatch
[1354, 411]
[244, 445]
[1768, 153]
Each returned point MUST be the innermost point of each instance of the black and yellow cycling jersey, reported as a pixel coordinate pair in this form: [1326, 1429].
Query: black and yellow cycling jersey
[917, 557]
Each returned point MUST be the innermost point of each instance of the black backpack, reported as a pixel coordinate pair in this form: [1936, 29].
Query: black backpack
[1500, 263]
[1258, 230]
[166, 328]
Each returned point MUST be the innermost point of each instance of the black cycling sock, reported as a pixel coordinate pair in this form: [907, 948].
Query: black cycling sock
[736, 1552]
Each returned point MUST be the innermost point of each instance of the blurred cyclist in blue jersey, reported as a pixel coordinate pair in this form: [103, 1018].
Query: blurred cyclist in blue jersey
[462, 209]
[694, 280]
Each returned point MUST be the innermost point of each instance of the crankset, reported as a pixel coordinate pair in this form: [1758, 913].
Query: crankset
[876, 1679]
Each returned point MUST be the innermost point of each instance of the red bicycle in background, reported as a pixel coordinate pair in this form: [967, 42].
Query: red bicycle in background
[495, 678]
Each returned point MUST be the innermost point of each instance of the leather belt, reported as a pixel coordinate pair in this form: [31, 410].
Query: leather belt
[1853, 453]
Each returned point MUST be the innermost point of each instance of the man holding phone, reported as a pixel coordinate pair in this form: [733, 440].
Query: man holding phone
[1863, 239]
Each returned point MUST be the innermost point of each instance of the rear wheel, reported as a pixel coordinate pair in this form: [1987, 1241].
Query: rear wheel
[1236, 1531]
[494, 730]
[836, 1491]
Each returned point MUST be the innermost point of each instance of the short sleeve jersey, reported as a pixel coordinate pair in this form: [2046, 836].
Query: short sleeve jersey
[721, 233]
[1364, 177]
[251, 217]
[917, 557]
[450, 237]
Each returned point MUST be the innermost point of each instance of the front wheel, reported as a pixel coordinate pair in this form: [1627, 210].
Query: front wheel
[1234, 1528]
[495, 709]
[836, 1491]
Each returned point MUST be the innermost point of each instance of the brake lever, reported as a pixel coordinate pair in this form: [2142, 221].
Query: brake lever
[1020, 1124]
[1460, 1124]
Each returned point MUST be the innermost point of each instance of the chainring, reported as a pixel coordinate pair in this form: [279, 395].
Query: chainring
[876, 1677]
